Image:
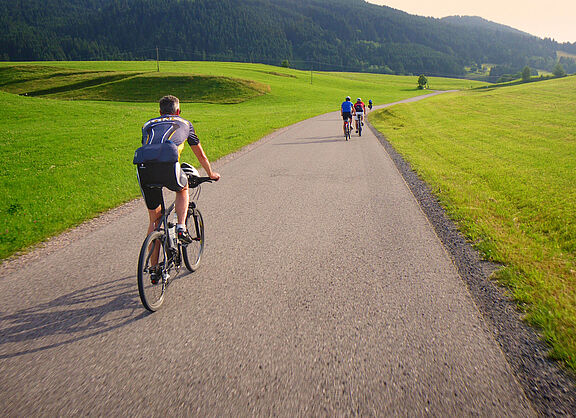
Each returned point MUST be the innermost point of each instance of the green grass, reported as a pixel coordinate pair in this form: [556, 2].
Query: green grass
[125, 86]
[37, 80]
[65, 161]
[503, 162]
[147, 88]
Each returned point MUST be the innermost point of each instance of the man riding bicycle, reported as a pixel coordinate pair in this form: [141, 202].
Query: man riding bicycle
[163, 140]
[346, 110]
[359, 110]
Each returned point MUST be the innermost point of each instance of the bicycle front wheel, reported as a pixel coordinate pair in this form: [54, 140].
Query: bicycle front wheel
[152, 261]
[192, 253]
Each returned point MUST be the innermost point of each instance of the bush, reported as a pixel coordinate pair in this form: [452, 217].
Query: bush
[559, 70]
[422, 82]
[526, 74]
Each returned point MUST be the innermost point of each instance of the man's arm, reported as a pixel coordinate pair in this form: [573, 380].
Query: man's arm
[203, 160]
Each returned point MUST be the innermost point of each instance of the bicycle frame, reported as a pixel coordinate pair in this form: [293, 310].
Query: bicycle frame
[162, 252]
[174, 259]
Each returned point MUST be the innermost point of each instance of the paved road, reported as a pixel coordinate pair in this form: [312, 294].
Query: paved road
[324, 291]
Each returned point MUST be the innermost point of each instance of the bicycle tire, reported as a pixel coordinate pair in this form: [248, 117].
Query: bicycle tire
[360, 129]
[151, 293]
[192, 253]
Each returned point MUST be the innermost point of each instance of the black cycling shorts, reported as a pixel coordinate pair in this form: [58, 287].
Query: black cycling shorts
[169, 175]
[346, 115]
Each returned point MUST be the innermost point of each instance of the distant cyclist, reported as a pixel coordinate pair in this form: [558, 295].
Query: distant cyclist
[370, 104]
[359, 109]
[346, 110]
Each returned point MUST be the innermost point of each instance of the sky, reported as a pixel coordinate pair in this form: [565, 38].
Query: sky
[555, 19]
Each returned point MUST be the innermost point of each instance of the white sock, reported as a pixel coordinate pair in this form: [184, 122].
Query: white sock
[181, 227]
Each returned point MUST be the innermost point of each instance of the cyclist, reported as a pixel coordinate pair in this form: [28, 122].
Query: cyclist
[370, 104]
[359, 109]
[346, 110]
[163, 139]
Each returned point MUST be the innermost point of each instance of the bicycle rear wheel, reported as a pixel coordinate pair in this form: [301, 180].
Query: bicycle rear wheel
[151, 285]
[192, 253]
[359, 127]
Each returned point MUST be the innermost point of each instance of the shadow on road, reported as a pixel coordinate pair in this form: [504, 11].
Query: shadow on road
[72, 317]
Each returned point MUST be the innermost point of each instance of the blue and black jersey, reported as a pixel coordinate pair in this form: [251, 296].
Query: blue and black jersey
[169, 128]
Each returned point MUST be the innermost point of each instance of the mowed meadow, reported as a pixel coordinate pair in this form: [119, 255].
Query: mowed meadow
[69, 129]
[503, 163]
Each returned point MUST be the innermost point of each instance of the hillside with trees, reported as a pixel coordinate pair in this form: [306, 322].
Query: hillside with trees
[343, 35]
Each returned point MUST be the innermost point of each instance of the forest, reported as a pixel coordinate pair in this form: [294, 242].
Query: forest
[339, 35]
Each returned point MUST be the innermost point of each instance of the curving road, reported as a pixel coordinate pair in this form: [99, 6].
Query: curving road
[324, 291]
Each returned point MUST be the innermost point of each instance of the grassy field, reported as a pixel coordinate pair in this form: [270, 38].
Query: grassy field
[503, 162]
[66, 147]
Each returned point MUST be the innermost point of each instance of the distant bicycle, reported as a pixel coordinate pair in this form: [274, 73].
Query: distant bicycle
[347, 128]
[359, 123]
[162, 254]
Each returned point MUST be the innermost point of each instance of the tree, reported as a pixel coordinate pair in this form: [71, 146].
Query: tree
[526, 74]
[422, 82]
[559, 70]
[286, 64]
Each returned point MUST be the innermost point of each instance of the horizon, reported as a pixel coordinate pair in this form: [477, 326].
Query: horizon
[556, 21]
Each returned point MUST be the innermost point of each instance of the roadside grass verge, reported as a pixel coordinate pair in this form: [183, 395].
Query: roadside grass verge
[65, 161]
[503, 163]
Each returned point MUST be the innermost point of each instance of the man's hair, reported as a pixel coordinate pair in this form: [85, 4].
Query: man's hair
[169, 105]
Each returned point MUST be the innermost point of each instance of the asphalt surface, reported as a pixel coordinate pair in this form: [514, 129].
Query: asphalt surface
[324, 290]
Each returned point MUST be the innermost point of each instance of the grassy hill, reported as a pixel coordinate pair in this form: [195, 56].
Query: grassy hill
[125, 86]
[502, 162]
[64, 161]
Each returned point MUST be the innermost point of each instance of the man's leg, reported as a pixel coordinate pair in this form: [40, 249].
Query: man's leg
[154, 216]
[182, 200]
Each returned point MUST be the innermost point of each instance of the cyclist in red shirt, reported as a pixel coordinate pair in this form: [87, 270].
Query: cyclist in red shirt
[360, 109]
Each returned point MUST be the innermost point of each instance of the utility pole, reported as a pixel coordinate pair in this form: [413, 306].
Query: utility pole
[311, 72]
[157, 60]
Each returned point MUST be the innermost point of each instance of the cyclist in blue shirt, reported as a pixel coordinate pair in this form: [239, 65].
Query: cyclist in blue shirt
[346, 110]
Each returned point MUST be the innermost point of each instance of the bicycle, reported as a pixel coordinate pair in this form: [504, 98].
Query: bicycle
[162, 252]
[347, 128]
[359, 123]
